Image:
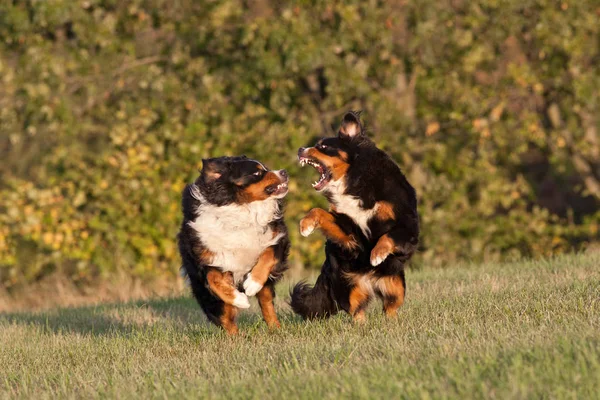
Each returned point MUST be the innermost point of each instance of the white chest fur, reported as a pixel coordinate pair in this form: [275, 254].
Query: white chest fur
[236, 234]
[351, 206]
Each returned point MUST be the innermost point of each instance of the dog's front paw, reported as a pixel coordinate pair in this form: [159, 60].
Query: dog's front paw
[241, 300]
[377, 257]
[383, 248]
[308, 225]
[251, 286]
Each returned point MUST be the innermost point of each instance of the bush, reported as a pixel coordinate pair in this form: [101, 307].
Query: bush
[107, 107]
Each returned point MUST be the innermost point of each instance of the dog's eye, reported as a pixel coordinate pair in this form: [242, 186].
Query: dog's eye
[321, 147]
[258, 173]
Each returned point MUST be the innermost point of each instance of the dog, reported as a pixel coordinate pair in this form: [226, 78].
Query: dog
[233, 241]
[372, 226]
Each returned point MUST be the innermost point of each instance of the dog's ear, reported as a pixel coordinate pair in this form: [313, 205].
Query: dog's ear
[351, 126]
[212, 169]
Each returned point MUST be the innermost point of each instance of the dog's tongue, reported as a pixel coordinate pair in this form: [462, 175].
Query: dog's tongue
[320, 184]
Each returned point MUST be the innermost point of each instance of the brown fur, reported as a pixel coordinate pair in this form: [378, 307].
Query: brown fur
[392, 292]
[337, 165]
[221, 284]
[389, 288]
[256, 192]
[383, 248]
[375, 203]
[359, 298]
[205, 255]
[385, 211]
[228, 319]
[265, 300]
[323, 220]
[264, 265]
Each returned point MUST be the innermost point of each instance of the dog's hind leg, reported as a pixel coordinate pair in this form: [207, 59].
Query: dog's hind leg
[227, 319]
[359, 299]
[265, 297]
[391, 290]
[221, 284]
[217, 312]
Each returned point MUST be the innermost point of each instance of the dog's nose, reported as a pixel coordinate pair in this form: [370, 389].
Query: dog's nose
[301, 150]
[283, 173]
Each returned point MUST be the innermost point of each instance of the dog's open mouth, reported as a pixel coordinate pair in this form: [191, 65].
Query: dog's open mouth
[277, 189]
[324, 174]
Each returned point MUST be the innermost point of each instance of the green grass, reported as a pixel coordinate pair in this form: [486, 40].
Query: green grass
[522, 330]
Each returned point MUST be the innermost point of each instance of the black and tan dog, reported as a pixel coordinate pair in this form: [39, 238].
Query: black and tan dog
[233, 241]
[372, 226]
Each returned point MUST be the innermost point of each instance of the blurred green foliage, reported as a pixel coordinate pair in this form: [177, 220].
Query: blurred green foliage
[107, 107]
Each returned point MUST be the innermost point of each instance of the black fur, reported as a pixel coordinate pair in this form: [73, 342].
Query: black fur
[234, 175]
[372, 177]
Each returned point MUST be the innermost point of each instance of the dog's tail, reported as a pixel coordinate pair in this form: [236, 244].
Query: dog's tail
[314, 302]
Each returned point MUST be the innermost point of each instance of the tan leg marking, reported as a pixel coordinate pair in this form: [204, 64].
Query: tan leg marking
[359, 296]
[264, 266]
[383, 248]
[221, 284]
[265, 300]
[260, 272]
[319, 218]
[392, 291]
[228, 319]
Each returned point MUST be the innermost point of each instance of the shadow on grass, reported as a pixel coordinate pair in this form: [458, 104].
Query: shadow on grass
[182, 314]
[68, 321]
[110, 319]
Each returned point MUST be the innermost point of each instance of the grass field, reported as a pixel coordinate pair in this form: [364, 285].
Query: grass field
[520, 330]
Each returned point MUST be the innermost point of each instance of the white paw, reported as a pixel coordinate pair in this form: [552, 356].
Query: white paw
[251, 287]
[241, 300]
[376, 260]
[306, 230]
